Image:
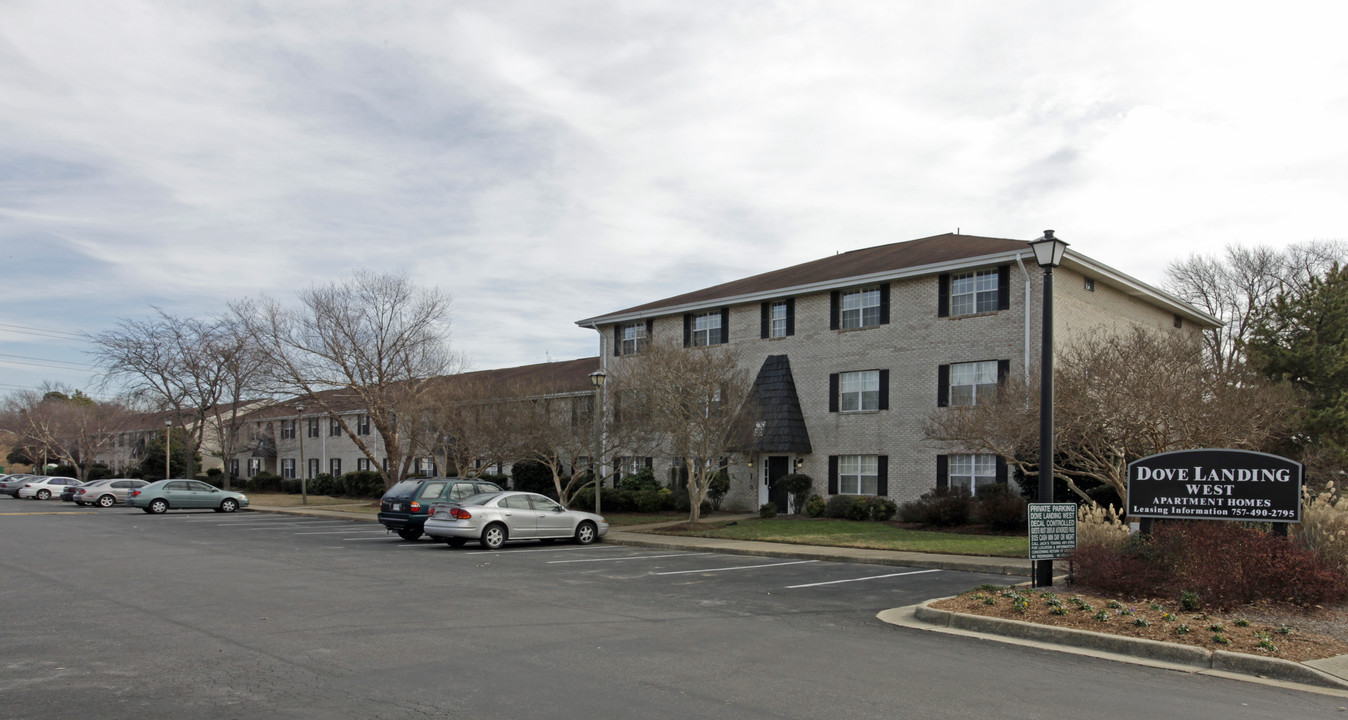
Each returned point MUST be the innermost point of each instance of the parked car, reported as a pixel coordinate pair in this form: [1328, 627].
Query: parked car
[44, 488]
[69, 492]
[405, 506]
[10, 485]
[494, 518]
[108, 492]
[179, 494]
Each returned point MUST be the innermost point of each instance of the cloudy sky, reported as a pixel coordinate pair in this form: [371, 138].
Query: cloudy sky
[551, 160]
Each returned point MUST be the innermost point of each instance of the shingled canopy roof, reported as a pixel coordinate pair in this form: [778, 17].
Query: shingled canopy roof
[782, 428]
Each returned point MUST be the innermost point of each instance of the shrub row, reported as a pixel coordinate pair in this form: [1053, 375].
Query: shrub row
[363, 484]
[994, 505]
[1223, 563]
[859, 507]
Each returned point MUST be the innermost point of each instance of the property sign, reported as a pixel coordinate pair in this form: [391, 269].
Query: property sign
[1215, 485]
[1053, 530]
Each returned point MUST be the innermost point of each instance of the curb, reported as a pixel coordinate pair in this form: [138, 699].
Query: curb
[1219, 660]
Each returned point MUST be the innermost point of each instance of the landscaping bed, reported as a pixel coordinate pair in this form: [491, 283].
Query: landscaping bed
[1269, 630]
[849, 533]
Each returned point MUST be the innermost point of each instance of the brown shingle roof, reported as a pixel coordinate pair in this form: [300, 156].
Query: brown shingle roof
[932, 250]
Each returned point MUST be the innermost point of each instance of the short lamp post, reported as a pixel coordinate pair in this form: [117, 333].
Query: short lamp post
[597, 380]
[303, 468]
[1048, 252]
[168, 447]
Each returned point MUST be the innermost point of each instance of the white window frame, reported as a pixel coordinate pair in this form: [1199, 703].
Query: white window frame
[971, 471]
[859, 391]
[362, 464]
[288, 429]
[974, 292]
[313, 468]
[288, 468]
[363, 424]
[334, 427]
[859, 308]
[254, 466]
[706, 329]
[335, 467]
[633, 338]
[311, 427]
[972, 383]
[777, 313]
[858, 474]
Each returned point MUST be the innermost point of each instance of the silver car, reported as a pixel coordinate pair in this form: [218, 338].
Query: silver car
[45, 488]
[494, 518]
[109, 492]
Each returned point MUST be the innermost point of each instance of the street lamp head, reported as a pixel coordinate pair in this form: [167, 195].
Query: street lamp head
[1048, 250]
[167, 422]
[597, 378]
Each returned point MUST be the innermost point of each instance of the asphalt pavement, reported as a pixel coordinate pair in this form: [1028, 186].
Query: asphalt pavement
[1327, 675]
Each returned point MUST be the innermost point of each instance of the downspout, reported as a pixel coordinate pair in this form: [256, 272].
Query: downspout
[1026, 366]
[598, 462]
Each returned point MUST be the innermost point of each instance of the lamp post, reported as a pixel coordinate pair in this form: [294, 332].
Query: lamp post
[303, 470]
[1048, 252]
[168, 445]
[597, 380]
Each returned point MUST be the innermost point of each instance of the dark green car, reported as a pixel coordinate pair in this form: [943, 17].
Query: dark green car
[179, 494]
[405, 507]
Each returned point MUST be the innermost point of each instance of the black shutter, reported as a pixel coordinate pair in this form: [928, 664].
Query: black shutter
[882, 476]
[884, 304]
[1001, 469]
[943, 304]
[650, 462]
[790, 316]
[884, 389]
[725, 325]
[833, 302]
[1004, 287]
[617, 468]
[763, 320]
[1003, 369]
[650, 329]
[942, 472]
[617, 340]
[832, 474]
[833, 392]
[687, 330]
[943, 386]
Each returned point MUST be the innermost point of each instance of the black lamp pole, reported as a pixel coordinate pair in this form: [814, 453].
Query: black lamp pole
[1048, 252]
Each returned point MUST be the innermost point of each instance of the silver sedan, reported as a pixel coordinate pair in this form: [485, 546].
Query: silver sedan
[494, 518]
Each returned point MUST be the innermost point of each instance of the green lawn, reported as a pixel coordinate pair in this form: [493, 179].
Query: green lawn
[878, 536]
[352, 505]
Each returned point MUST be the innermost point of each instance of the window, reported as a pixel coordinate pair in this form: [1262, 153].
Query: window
[972, 383]
[312, 427]
[288, 468]
[860, 308]
[778, 318]
[859, 391]
[858, 475]
[362, 424]
[706, 329]
[631, 338]
[288, 429]
[1090, 284]
[234, 467]
[1179, 321]
[334, 427]
[313, 466]
[975, 292]
[334, 466]
[971, 471]
[362, 464]
[625, 466]
[254, 466]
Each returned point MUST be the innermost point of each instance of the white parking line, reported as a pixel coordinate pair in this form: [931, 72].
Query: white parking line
[637, 557]
[341, 532]
[560, 549]
[301, 523]
[741, 567]
[355, 539]
[872, 577]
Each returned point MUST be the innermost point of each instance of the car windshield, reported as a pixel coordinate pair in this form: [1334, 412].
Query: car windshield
[480, 498]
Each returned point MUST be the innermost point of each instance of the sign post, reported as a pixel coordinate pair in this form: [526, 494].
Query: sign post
[1053, 531]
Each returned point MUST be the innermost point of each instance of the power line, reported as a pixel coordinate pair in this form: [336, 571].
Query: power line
[65, 362]
[43, 332]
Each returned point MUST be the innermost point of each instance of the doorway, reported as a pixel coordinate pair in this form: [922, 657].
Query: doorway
[778, 466]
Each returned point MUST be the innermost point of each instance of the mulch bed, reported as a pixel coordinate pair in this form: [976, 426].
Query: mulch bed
[1286, 632]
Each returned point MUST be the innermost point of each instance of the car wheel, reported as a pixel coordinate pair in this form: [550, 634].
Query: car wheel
[493, 537]
[409, 534]
[456, 541]
[229, 505]
[158, 506]
[106, 501]
[586, 533]
[43, 494]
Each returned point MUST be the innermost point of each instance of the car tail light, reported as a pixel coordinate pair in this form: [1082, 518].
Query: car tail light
[82, 491]
[414, 506]
[460, 514]
[135, 493]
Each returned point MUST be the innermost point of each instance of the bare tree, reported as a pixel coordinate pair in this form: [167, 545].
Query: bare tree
[73, 428]
[689, 403]
[377, 337]
[469, 423]
[1239, 286]
[1120, 397]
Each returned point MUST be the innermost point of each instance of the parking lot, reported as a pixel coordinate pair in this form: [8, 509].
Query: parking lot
[114, 613]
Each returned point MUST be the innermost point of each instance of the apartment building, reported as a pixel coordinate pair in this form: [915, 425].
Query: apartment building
[852, 353]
